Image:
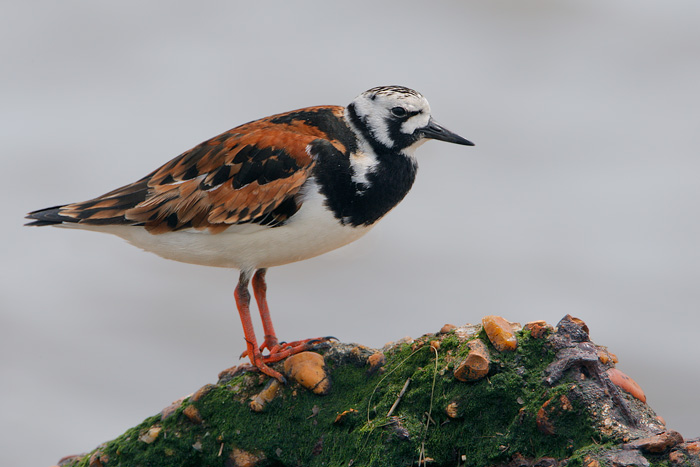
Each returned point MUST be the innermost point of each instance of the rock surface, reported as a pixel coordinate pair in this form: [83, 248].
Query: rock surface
[477, 363]
[544, 397]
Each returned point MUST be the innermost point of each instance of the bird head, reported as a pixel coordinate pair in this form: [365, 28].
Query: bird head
[397, 118]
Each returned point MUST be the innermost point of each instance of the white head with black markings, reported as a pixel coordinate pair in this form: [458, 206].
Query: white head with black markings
[396, 119]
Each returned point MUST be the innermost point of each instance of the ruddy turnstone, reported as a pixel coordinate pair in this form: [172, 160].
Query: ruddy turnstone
[270, 192]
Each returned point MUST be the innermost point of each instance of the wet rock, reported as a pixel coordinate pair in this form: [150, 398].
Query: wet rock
[606, 357]
[581, 323]
[577, 354]
[677, 458]
[500, 333]
[626, 383]
[151, 435]
[569, 330]
[468, 331]
[686, 454]
[627, 459]
[169, 410]
[447, 328]
[201, 392]
[538, 329]
[241, 458]
[268, 393]
[657, 443]
[692, 447]
[550, 411]
[98, 459]
[192, 414]
[375, 361]
[309, 370]
[70, 460]
[230, 373]
[402, 341]
[348, 354]
[476, 365]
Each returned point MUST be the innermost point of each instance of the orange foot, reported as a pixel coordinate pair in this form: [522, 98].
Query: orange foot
[280, 352]
[276, 350]
[285, 349]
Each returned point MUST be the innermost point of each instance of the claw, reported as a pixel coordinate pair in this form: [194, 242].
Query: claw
[280, 352]
[264, 369]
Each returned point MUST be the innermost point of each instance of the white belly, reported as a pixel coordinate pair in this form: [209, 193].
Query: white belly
[312, 231]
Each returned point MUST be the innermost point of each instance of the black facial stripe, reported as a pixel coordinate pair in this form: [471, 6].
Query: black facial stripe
[401, 140]
[363, 128]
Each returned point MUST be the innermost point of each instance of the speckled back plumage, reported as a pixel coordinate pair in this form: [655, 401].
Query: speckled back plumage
[251, 173]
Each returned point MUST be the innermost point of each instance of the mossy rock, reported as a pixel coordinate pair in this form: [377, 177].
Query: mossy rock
[438, 421]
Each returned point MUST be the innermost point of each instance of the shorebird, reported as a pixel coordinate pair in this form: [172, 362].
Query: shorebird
[270, 192]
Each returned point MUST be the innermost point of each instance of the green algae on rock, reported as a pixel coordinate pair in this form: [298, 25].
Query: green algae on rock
[539, 404]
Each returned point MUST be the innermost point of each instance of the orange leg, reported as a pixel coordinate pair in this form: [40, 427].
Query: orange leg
[242, 297]
[277, 351]
[260, 291]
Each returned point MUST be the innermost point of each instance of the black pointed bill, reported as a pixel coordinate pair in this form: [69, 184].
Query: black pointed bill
[435, 131]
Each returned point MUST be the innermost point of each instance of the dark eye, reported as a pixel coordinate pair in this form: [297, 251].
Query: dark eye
[398, 112]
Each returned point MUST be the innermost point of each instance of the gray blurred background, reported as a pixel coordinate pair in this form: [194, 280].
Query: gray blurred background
[581, 195]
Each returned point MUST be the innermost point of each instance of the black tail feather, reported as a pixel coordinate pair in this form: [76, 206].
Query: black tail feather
[48, 216]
